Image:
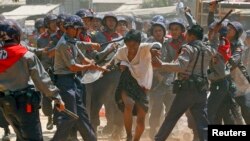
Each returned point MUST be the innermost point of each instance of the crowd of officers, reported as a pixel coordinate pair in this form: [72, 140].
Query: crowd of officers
[189, 69]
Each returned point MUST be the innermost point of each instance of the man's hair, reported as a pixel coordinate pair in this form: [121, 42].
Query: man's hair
[197, 31]
[133, 35]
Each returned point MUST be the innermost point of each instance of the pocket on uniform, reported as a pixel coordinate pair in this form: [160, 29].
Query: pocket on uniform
[36, 100]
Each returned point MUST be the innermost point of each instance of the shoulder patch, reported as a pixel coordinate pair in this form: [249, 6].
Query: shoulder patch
[3, 54]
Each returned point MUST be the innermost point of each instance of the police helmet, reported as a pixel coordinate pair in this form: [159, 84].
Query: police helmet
[73, 21]
[178, 22]
[48, 18]
[10, 30]
[111, 15]
[84, 13]
[238, 27]
[39, 23]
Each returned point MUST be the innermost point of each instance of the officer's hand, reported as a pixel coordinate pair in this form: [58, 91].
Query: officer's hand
[60, 105]
[217, 28]
[115, 46]
[96, 46]
[99, 68]
[51, 53]
[212, 6]
[156, 62]
[155, 52]
[187, 9]
[44, 50]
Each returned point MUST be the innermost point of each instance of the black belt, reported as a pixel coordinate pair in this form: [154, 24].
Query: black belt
[71, 75]
[222, 79]
[16, 92]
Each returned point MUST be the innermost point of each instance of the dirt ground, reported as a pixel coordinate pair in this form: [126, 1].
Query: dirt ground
[180, 133]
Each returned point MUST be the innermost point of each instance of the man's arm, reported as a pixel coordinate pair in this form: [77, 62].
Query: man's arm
[180, 65]
[41, 78]
[210, 18]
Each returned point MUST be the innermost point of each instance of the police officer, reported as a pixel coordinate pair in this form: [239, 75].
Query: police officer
[87, 17]
[18, 99]
[45, 41]
[122, 26]
[191, 85]
[39, 26]
[61, 30]
[69, 60]
[109, 22]
[106, 91]
[97, 23]
[219, 74]
[39, 29]
[161, 92]
[235, 30]
[3, 123]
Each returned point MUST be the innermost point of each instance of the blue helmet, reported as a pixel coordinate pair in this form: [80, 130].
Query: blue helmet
[39, 23]
[107, 16]
[122, 19]
[61, 18]
[73, 21]
[10, 30]
[158, 18]
[223, 30]
[84, 13]
[158, 23]
[178, 22]
[48, 18]
[238, 27]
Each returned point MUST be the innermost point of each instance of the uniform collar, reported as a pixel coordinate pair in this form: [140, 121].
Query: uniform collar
[195, 42]
[69, 39]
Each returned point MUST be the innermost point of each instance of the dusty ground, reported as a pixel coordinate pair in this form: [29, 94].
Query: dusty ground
[180, 133]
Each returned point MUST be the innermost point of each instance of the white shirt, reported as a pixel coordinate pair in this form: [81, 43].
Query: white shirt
[141, 65]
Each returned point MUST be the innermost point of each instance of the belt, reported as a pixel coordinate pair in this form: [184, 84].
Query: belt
[222, 79]
[16, 92]
[72, 75]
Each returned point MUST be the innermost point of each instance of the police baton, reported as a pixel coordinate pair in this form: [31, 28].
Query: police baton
[66, 111]
[228, 13]
[103, 44]
[69, 113]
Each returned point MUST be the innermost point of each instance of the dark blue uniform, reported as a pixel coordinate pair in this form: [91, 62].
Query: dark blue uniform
[188, 94]
[67, 54]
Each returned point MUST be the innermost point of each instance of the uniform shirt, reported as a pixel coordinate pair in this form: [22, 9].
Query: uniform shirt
[45, 40]
[169, 53]
[141, 65]
[246, 58]
[17, 76]
[186, 60]
[103, 37]
[55, 38]
[237, 47]
[217, 66]
[69, 52]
